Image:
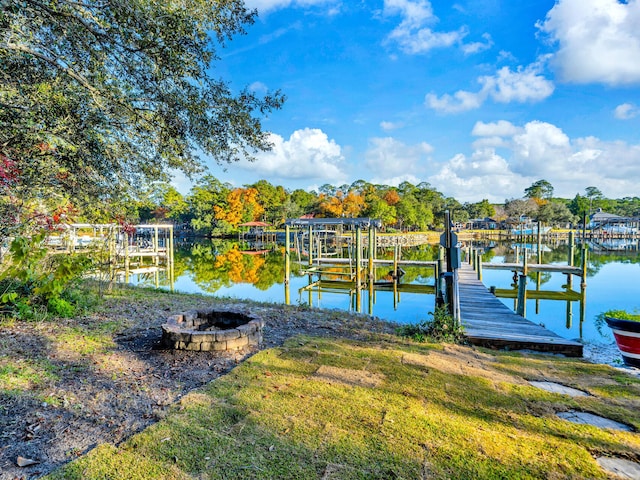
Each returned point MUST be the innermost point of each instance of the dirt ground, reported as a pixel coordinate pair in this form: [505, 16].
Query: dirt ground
[108, 394]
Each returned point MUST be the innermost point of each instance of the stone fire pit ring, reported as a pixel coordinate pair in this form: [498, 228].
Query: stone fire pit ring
[212, 330]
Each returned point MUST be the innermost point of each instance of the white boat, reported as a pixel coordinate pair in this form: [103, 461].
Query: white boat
[532, 230]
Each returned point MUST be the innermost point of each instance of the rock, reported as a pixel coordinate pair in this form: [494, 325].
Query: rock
[26, 462]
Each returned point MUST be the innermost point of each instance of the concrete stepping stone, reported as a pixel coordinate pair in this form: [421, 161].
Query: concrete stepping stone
[559, 388]
[585, 418]
[620, 467]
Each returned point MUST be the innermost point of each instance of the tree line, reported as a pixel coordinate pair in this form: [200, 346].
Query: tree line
[213, 207]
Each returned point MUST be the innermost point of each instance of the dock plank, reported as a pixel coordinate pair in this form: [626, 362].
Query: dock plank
[490, 323]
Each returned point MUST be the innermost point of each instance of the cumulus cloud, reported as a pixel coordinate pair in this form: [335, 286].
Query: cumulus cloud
[626, 111]
[461, 101]
[492, 135]
[308, 154]
[525, 84]
[415, 33]
[390, 157]
[484, 174]
[598, 40]
[533, 151]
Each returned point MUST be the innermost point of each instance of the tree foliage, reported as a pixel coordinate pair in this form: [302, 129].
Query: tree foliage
[100, 96]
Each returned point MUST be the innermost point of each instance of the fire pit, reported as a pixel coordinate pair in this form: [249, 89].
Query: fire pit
[212, 330]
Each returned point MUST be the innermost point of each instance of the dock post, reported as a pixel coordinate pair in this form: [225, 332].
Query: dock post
[571, 261]
[358, 257]
[539, 242]
[287, 264]
[156, 255]
[310, 245]
[585, 262]
[522, 295]
[371, 252]
[438, 274]
[480, 267]
[525, 264]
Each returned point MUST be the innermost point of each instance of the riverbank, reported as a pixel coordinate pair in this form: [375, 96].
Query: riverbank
[330, 395]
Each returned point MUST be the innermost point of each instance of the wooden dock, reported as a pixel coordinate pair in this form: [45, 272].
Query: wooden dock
[490, 323]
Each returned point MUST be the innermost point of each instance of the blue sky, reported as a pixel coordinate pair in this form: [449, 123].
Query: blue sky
[480, 98]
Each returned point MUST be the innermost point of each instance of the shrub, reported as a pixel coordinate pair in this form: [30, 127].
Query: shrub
[36, 283]
[440, 328]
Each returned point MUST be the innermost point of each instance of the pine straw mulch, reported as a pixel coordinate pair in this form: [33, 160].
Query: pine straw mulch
[106, 388]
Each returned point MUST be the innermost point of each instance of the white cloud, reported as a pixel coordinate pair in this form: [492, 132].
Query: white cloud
[388, 126]
[501, 128]
[264, 6]
[541, 149]
[258, 87]
[626, 111]
[461, 101]
[477, 47]
[533, 151]
[390, 157]
[598, 40]
[414, 34]
[397, 180]
[484, 175]
[308, 154]
[522, 85]
[493, 135]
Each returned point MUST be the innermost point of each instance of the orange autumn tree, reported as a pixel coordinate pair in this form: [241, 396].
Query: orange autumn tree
[242, 206]
[340, 205]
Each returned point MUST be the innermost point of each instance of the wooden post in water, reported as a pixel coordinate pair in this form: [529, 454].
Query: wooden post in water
[310, 245]
[522, 295]
[585, 262]
[358, 258]
[372, 248]
[439, 272]
[287, 264]
[480, 267]
[539, 242]
[570, 259]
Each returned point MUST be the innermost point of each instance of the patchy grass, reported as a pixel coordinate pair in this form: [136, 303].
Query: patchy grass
[322, 408]
[22, 375]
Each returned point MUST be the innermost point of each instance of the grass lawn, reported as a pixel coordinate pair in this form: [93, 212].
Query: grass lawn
[384, 408]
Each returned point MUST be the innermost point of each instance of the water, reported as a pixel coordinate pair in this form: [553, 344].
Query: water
[220, 268]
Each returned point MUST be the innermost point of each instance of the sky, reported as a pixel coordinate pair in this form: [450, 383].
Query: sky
[479, 98]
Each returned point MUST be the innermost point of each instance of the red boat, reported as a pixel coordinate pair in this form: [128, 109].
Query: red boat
[627, 335]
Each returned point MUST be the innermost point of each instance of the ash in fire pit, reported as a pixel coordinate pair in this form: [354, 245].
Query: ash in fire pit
[212, 330]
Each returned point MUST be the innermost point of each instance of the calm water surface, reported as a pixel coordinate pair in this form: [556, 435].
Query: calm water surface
[221, 268]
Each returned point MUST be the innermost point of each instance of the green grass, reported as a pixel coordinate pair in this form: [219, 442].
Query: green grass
[383, 409]
[23, 375]
[88, 339]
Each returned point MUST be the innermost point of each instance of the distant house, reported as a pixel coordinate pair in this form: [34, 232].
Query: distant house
[486, 223]
[609, 222]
